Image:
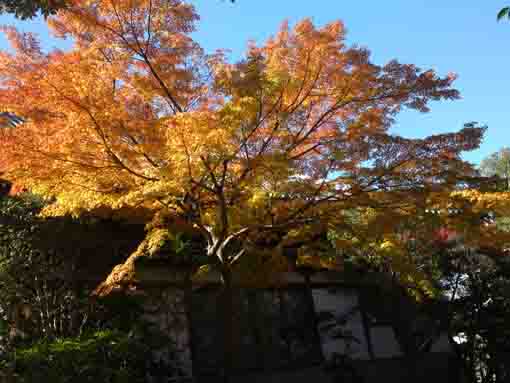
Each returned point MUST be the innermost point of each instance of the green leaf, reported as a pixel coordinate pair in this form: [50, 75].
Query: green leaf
[4, 327]
[504, 12]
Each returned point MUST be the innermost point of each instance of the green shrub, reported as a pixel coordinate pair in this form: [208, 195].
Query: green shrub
[102, 357]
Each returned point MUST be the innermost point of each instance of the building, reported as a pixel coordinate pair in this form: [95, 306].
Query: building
[289, 329]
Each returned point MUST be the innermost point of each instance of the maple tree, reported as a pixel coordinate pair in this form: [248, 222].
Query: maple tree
[137, 121]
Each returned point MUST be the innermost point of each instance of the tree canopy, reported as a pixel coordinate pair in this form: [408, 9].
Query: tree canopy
[137, 118]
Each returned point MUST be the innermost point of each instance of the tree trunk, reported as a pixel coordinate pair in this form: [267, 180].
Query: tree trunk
[188, 301]
[228, 324]
[315, 321]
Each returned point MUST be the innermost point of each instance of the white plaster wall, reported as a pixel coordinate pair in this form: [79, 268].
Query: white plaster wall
[341, 301]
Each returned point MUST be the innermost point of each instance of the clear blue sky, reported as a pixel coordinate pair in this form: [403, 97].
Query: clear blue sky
[457, 36]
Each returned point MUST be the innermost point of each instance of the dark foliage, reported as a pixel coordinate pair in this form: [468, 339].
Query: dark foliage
[25, 9]
[49, 266]
[478, 286]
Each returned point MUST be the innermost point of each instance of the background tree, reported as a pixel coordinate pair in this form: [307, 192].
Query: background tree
[475, 284]
[467, 262]
[498, 164]
[266, 152]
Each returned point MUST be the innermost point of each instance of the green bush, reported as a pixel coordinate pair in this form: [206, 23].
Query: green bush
[102, 357]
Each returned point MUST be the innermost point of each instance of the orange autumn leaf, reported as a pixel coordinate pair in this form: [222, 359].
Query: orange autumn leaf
[136, 116]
